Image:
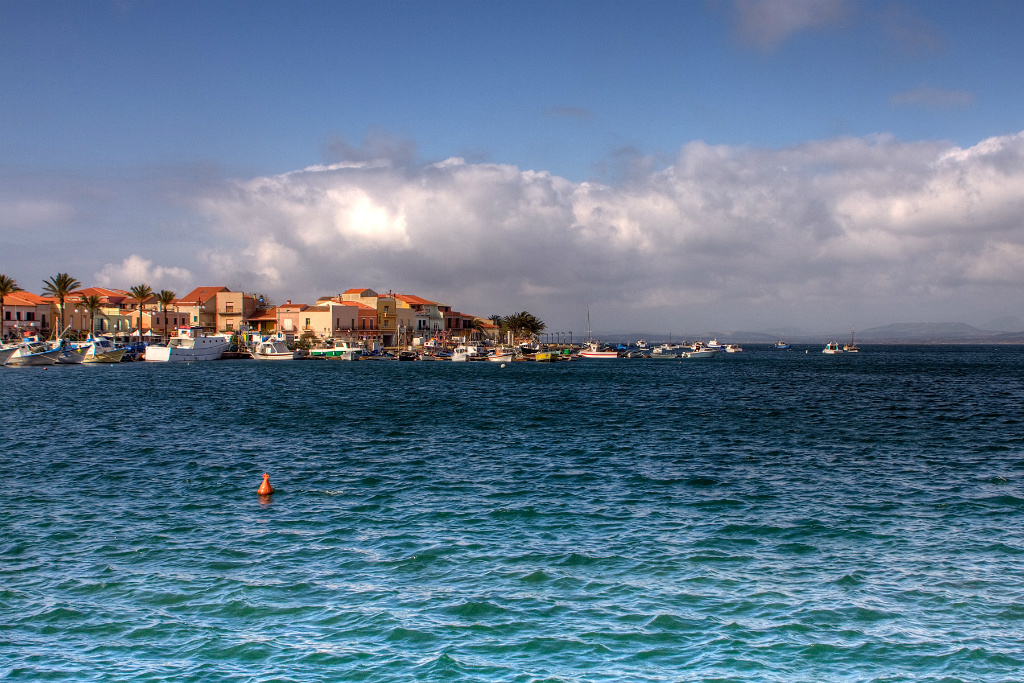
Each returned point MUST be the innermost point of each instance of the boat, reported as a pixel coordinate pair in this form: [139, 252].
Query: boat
[832, 348]
[466, 352]
[68, 353]
[32, 351]
[851, 347]
[666, 351]
[189, 344]
[275, 348]
[337, 349]
[594, 350]
[782, 345]
[713, 345]
[408, 355]
[701, 351]
[6, 352]
[102, 350]
[501, 355]
[733, 348]
[545, 356]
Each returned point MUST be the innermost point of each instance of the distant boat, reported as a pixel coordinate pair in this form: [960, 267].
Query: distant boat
[832, 348]
[781, 345]
[594, 350]
[851, 347]
[733, 348]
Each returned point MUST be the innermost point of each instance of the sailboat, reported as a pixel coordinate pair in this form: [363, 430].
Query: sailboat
[851, 347]
[594, 348]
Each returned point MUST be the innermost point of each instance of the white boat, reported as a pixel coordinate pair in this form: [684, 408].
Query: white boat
[275, 348]
[501, 356]
[466, 352]
[594, 350]
[6, 352]
[832, 348]
[667, 351]
[337, 349]
[102, 350]
[700, 354]
[713, 344]
[190, 344]
[733, 348]
[69, 354]
[31, 351]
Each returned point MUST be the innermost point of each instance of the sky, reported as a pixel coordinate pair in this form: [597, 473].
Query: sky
[669, 167]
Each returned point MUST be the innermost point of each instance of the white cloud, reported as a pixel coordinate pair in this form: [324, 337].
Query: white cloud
[724, 230]
[136, 270]
[767, 24]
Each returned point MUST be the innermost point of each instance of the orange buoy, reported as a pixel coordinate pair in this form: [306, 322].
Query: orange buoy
[265, 488]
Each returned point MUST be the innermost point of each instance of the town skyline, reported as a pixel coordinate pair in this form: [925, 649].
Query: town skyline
[743, 165]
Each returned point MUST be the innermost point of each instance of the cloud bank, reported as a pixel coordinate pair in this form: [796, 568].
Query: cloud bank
[725, 235]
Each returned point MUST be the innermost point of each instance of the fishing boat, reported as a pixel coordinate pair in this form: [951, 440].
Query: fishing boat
[501, 355]
[545, 356]
[782, 345]
[32, 351]
[851, 347]
[102, 350]
[275, 348]
[6, 352]
[832, 348]
[594, 350]
[701, 351]
[189, 344]
[336, 349]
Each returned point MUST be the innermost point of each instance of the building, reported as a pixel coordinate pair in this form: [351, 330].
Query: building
[25, 312]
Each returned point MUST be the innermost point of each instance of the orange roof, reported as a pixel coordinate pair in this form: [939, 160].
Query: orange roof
[201, 294]
[360, 291]
[416, 300]
[25, 299]
[267, 314]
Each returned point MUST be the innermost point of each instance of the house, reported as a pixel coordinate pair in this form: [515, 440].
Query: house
[429, 317]
[26, 312]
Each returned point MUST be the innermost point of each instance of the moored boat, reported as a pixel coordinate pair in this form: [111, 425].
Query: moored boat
[190, 344]
[275, 348]
[31, 351]
[102, 350]
[832, 348]
[337, 349]
[594, 350]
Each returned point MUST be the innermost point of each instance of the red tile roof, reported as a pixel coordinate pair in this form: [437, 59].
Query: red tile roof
[201, 294]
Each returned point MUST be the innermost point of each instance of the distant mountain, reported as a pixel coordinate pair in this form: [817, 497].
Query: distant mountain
[929, 333]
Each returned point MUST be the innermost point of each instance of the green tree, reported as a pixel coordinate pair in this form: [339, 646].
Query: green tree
[165, 297]
[141, 293]
[92, 303]
[7, 287]
[59, 287]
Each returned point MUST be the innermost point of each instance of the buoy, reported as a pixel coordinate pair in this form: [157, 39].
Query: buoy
[265, 488]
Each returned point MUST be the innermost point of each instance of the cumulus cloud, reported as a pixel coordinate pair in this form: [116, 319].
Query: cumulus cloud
[766, 24]
[138, 270]
[736, 228]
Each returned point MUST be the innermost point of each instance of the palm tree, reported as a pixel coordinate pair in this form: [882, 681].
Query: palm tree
[478, 326]
[7, 287]
[59, 287]
[165, 298]
[92, 303]
[141, 293]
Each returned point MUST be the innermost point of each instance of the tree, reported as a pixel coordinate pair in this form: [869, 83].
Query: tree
[141, 293]
[92, 303]
[7, 287]
[522, 324]
[59, 287]
[478, 326]
[165, 298]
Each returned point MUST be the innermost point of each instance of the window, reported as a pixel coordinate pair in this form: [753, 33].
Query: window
[19, 315]
[230, 326]
[7, 315]
[385, 310]
[30, 316]
[229, 308]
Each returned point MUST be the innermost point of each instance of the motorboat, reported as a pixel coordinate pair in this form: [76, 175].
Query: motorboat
[337, 349]
[408, 355]
[545, 356]
[189, 344]
[102, 350]
[700, 351]
[666, 351]
[501, 355]
[713, 344]
[6, 351]
[467, 352]
[782, 345]
[733, 348]
[275, 348]
[32, 351]
[832, 348]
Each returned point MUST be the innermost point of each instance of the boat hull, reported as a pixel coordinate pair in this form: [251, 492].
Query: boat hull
[209, 350]
[599, 355]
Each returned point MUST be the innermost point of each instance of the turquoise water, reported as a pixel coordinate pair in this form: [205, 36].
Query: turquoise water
[765, 516]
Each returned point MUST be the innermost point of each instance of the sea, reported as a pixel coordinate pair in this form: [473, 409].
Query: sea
[767, 516]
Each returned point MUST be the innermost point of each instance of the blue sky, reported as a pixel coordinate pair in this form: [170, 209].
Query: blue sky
[301, 148]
